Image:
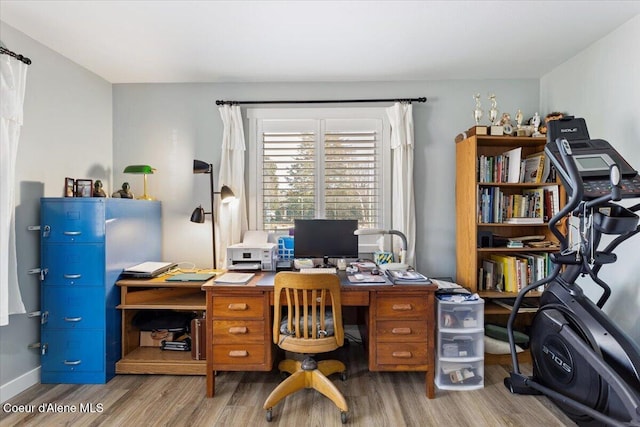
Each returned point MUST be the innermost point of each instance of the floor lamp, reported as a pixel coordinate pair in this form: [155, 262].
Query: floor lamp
[226, 195]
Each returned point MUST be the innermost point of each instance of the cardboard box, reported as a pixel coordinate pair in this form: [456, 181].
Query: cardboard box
[155, 338]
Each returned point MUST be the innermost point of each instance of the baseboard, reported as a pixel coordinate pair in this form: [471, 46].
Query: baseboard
[20, 384]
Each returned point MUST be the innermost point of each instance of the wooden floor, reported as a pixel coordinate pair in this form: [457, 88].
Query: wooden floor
[374, 399]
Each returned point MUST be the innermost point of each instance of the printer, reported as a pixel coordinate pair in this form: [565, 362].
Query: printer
[252, 257]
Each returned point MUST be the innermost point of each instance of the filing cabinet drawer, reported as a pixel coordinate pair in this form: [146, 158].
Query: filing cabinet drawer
[398, 306]
[73, 350]
[238, 307]
[395, 331]
[238, 331]
[238, 354]
[402, 353]
[68, 307]
[81, 265]
[72, 221]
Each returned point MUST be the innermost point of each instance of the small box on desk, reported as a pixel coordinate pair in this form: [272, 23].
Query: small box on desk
[155, 338]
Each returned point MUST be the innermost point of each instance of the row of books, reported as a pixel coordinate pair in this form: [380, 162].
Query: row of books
[533, 206]
[511, 273]
[510, 167]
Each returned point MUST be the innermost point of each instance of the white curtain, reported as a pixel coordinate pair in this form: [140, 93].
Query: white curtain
[232, 217]
[12, 86]
[404, 215]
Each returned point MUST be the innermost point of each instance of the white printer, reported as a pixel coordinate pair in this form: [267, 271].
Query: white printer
[254, 253]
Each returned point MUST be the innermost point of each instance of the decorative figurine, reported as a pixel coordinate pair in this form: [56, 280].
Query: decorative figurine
[97, 189]
[477, 112]
[519, 119]
[493, 112]
[505, 122]
[535, 121]
[124, 192]
[551, 116]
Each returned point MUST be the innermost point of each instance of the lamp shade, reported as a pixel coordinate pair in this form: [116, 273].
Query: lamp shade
[146, 169]
[201, 167]
[226, 194]
[198, 215]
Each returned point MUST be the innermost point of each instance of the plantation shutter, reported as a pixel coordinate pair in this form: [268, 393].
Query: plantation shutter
[309, 168]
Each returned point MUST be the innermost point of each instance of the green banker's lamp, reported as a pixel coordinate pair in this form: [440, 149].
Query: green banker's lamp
[145, 170]
[226, 196]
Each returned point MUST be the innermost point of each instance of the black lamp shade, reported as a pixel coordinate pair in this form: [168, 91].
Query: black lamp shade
[201, 167]
[198, 215]
[226, 194]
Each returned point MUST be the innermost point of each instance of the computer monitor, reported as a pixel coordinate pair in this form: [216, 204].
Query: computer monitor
[325, 238]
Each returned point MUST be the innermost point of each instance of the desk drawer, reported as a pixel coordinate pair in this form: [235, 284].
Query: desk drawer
[238, 354]
[401, 331]
[402, 353]
[407, 306]
[238, 307]
[238, 331]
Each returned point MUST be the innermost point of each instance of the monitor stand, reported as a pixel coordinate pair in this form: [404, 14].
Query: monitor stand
[325, 263]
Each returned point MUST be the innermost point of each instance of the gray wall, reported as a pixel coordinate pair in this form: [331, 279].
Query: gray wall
[602, 84]
[66, 133]
[168, 125]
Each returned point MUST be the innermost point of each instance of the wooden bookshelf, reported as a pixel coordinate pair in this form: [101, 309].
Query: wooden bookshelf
[469, 257]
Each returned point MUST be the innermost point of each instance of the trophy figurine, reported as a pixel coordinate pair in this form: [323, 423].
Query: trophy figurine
[477, 112]
[519, 119]
[535, 121]
[493, 112]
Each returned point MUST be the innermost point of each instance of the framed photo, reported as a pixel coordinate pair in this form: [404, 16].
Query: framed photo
[84, 187]
[69, 187]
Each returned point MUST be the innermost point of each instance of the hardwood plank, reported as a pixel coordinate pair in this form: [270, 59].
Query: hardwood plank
[384, 399]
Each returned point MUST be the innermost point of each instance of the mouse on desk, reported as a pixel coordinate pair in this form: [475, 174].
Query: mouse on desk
[358, 276]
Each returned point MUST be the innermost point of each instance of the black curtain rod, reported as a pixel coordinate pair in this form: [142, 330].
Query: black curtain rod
[322, 101]
[15, 55]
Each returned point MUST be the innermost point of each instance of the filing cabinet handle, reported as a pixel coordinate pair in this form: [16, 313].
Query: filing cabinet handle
[238, 353]
[401, 331]
[72, 276]
[401, 307]
[402, 354]
[238, 330]
[72, 319]
[72, 233]
[72, 362]
[241, 306]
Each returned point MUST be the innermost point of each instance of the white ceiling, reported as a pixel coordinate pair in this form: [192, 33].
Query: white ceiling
[300, 41]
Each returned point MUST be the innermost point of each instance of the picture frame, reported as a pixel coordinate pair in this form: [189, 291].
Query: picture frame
[69, 187]
[84, 187]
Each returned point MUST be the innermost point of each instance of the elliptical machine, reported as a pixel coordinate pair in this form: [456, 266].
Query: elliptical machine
[581, 360]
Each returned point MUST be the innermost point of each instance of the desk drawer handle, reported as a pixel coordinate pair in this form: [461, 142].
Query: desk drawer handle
[72, 233]
[401, 331]
[238, 353]
[72, 362]
[238, 306]
[402, 354]
[72, 276]
[72, 319]
[238, 330]
[401, 307]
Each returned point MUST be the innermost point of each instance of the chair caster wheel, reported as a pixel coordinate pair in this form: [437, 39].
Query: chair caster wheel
[343, 417]
[269, 416]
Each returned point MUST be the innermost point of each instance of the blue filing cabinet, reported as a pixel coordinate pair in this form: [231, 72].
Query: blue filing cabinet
[85, 243]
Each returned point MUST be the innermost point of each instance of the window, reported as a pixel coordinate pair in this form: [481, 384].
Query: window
[318, 163]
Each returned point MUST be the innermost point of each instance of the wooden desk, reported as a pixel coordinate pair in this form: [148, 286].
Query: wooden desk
[398, 328]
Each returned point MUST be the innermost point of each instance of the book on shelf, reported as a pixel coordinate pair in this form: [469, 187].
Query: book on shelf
[524, 220]
[513, 158]
[535, 168]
